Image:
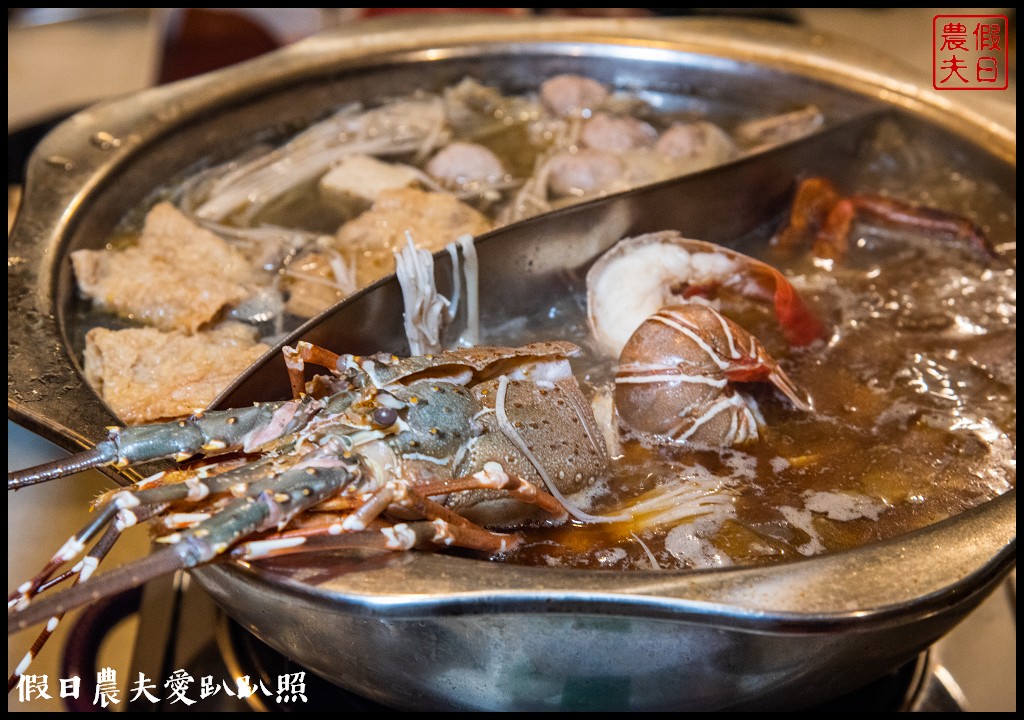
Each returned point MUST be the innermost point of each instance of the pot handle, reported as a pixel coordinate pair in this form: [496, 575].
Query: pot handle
[46, 390]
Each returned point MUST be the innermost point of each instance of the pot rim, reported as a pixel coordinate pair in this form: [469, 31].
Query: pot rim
[54, 191]
[927, 572]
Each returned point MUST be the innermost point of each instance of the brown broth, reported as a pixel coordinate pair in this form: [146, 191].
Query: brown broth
[914, 420]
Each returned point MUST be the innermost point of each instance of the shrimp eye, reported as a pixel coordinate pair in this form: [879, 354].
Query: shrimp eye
[384, 416]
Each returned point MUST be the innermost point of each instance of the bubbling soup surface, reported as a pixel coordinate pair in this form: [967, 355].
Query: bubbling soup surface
[914, 394]
[914, 390]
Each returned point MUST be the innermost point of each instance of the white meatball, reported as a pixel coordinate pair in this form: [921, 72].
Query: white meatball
[584, 173]
[695, 140]
[617, 134]
[572, 94]
[460, 163]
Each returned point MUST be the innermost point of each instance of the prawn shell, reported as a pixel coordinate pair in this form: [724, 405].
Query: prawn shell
[672, 384]
[623, 291]
[637, 277]
[438, 416]
[558, 427]
[388, 369]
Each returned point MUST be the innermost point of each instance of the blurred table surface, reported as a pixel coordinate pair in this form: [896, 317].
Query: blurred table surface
[63, 58]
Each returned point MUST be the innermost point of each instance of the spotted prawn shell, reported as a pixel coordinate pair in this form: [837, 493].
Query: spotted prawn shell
[559, 444]
[455, 401]
[482, 362]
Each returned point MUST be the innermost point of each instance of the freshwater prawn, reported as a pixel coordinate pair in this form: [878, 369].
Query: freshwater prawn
[683, 366]
[822, 217]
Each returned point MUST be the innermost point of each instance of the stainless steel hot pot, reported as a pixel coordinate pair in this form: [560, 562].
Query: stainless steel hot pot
[421, 631]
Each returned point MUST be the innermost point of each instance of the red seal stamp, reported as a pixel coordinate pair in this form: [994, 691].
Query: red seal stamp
[970, 52]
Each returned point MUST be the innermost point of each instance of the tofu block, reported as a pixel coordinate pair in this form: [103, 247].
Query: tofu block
[145, 375]
[358, 180]
[178, 276]
[433, 219]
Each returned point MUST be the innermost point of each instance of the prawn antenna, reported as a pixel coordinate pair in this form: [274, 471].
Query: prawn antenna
[102, 454]
[162, 562]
